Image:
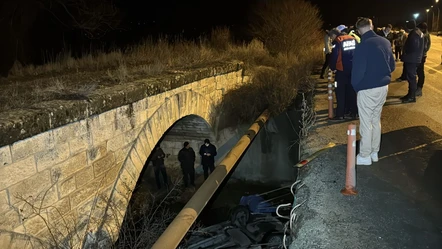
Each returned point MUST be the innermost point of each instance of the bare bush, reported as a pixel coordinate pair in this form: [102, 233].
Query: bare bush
[282, 26]
[144, 224]
[286, 25]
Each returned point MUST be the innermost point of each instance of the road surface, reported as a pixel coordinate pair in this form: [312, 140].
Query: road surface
[399, 204]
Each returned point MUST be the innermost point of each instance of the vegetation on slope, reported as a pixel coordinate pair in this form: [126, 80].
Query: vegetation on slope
[279, 60]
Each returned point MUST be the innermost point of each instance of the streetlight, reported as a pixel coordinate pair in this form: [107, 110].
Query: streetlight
[438, 16]
[417, 14]
[428, 10]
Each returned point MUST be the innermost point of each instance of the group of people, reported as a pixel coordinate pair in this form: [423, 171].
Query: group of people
[186, 157]
[363, 68]
[410, 47]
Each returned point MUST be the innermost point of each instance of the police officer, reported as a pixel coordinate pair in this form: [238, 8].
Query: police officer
[341, 62]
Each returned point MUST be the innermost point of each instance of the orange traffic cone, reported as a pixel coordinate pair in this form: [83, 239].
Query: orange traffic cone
[350, 177]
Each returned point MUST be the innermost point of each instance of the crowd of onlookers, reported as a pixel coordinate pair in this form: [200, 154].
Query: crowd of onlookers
[363, 59]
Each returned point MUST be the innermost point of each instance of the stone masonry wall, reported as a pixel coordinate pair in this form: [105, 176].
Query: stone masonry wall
[76, 170]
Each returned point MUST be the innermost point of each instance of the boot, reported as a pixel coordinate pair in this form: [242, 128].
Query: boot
[418, 92]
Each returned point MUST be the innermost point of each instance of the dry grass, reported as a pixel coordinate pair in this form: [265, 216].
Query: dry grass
[279, 63]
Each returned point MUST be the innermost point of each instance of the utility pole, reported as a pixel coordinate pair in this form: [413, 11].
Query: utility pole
[438, 16]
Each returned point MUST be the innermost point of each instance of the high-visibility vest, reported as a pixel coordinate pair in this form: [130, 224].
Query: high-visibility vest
[357, 38]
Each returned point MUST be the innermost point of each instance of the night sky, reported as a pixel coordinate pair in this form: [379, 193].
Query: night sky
[188, 18]
[199, 13]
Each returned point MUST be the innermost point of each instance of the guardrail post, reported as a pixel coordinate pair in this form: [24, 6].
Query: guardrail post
[330, 94]
[350, 177]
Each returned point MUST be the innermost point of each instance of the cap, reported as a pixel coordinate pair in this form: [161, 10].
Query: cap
[341, 27]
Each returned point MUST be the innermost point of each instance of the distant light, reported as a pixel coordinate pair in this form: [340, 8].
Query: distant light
[428, 10]
[416, 15]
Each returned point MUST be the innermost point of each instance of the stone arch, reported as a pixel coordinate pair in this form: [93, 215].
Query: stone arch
[173, 109]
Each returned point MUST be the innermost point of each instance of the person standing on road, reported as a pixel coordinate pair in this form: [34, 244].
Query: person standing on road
[412, 57]
[158, 166]
[399, 42]
[186, 156]
[341, 62]
[421, 68]
[387, 34]
[373, 63]
[208, 153]
[327, 52]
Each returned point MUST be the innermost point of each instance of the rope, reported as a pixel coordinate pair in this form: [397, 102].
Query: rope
[290, 224]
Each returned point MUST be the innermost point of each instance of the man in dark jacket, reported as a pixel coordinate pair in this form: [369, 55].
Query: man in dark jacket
[373, 62]
[208, 153]
[412, 57]
[420, 69]
[186, 156]
[158, 166]
[387, 34]
[341, 62]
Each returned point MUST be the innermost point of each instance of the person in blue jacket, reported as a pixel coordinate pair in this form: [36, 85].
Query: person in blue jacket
[412, 58]
[341, 59]
[373, 62]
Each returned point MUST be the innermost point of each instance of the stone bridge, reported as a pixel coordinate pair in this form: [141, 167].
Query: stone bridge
[72, 165]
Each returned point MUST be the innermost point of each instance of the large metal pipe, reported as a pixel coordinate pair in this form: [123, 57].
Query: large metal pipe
[176, 231]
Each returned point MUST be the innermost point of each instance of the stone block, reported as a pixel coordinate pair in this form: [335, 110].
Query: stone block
[124, 119]
[4, 201]
[5, 155]
[151, 111]
[65, 133]
[126, 184]
[59, 209]
[100, 133]
[80, 143]
[16, 172]
[148, 134]
[130, 167]
[97, 152]
[107, 118]
[33, 225]
[122, 154]
[83, 194]
[36, 190]
[84, 176]
[51, 157]
[67, 186]
[135, 158]
[104, 164]
[9, 220]
[32, 145]
[110, 176]
[154, 124]
[122, 140]
[140, 105]
[181, 99]
[141, 117]
[69, 167]
[142, 139]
